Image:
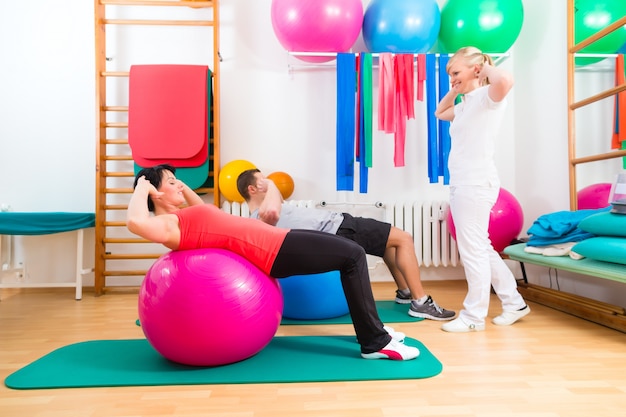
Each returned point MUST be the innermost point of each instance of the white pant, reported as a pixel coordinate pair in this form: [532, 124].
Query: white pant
[471, 207]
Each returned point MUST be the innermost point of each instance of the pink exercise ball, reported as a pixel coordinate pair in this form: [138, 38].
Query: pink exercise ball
[208, 307]
[317, 25]
[594, 196]
[506, 220]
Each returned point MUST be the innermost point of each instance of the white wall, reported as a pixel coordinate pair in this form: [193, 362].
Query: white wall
[276, 111]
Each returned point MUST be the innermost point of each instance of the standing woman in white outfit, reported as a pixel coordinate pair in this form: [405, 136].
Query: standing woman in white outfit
[475, 185]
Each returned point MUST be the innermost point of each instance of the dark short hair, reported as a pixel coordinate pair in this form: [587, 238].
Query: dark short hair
[154, 175]
[245, 179]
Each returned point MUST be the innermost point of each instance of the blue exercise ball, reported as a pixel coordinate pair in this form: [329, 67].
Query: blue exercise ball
[313, 297]
[401, 26]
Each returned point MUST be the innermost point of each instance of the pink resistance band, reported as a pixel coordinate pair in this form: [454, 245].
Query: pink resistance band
[395, 99]
[421, 76]
[386, 93]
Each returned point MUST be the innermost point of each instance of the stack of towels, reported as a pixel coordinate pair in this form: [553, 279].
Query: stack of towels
[595, 234]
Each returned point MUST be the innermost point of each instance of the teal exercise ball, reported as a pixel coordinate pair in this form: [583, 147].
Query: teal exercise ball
[591, 16]
[490, 25]
[401, 26]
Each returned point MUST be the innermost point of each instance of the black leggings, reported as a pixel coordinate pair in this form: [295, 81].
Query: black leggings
[312, 252]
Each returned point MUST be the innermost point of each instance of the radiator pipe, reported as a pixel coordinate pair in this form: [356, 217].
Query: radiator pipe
[377, 204]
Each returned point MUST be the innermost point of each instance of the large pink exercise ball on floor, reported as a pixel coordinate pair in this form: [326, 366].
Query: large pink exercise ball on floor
[490, 25]
[208, 307]
[313, 297]
[317, 26]
[591, 16]
[506, 220]
[401, 26]
[594, 196]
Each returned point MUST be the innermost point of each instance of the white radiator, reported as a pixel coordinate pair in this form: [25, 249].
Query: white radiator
[427, 222]
[424, 220]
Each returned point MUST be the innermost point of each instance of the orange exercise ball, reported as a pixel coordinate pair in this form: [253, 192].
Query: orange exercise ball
[228, 179]
[284, 182]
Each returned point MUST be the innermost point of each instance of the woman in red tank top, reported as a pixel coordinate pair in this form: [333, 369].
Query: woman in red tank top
[278, 252]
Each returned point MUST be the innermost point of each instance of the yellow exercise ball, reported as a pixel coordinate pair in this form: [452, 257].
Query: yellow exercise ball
[283, 182]
[228, 178]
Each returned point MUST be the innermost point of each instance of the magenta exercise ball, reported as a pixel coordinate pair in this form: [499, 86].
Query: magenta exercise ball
[594, 196]
[317, 25]
[506, 220]
[401, 26]
[208, 307]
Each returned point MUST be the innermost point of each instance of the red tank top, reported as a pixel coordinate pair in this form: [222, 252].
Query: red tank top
[206, 226]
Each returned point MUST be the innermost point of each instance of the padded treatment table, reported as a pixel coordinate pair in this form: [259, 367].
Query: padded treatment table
[585, 266]
[45, 223]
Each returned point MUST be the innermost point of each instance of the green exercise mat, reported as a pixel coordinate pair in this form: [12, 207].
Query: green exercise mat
[133, 362]
[389, 312]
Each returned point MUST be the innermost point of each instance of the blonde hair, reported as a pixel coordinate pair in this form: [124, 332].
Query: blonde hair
[471, 56]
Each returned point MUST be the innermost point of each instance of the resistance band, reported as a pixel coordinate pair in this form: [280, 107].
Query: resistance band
[404, 103]
[386, 93]
[421, 76]
[365, 119]
[618, 140]
[431, 99]
[346, 87]
[443, 125]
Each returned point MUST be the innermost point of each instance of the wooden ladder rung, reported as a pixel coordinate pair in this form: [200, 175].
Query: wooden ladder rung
[125, 240]
[119, 190]
[119, 174]
[144, 22]
[116, 124]
[115, 141]
[118, 158]
[195, 4]
[125, 273]
[132, 256]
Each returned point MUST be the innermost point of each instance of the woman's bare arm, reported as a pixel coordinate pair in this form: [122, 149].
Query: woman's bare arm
[139, 220]
[445, 108]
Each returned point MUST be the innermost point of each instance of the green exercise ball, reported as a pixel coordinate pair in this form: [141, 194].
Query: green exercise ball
[490, 25]
[591, 16]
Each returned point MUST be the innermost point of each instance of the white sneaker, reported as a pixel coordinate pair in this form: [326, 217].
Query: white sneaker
[459, 326]
[397, 336]
[509, 317]
[394, 350]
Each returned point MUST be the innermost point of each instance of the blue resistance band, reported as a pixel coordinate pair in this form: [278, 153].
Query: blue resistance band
[431, 105]
[444, 126]
[346, 119]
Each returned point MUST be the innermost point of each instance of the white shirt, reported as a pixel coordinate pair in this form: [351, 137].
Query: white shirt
[477, 119]
[294, 217]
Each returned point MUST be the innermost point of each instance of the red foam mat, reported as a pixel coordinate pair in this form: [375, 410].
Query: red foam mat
[167, 114]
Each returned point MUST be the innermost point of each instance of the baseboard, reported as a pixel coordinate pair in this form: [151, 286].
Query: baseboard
[598, 312]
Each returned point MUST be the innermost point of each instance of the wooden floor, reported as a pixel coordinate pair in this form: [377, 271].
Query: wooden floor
[549, 364]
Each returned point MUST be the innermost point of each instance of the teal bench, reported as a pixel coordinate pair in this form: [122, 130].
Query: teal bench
[43, 223]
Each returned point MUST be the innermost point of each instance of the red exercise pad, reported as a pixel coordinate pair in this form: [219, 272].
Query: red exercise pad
[167, 114]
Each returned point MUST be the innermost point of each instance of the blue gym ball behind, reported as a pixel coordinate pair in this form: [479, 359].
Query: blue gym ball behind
[313, 297]
[401, 26]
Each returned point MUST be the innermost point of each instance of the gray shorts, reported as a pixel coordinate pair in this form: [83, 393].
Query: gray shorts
[372, 235]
